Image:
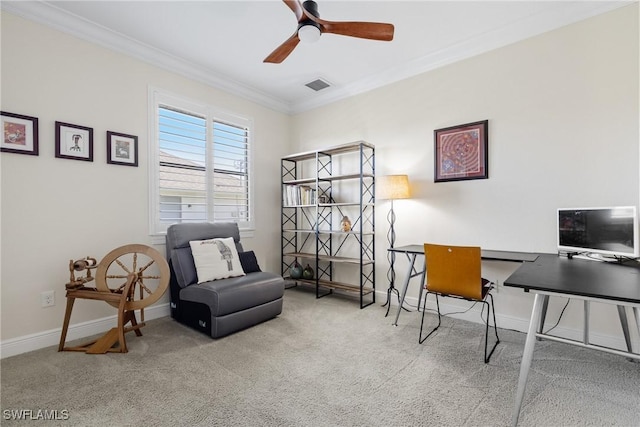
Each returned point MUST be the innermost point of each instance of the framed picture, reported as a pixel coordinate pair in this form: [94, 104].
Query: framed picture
[462, 152]
[19, 134]
[122, 149]
[74, 142]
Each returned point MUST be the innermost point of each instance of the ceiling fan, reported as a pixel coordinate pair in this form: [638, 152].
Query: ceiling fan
[310, 27]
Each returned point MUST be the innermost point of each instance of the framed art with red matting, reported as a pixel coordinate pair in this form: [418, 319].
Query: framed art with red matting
[462, 152]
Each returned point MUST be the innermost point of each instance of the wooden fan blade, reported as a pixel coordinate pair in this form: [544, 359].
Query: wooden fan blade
[282, 51]
[296, 7]
[363, 30]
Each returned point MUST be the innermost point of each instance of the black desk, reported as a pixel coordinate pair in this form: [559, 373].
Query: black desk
[412, 251]
[551, 275]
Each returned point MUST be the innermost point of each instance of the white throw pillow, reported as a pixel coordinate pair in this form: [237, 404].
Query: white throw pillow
[216, 259]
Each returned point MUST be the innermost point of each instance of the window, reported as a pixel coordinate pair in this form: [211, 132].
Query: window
[201, 165]
[170, 208]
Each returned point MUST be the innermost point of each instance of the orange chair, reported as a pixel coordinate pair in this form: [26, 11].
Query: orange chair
[455, 271]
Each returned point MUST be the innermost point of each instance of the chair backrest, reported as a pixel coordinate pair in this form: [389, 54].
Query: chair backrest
[454, 270]
[179, 251]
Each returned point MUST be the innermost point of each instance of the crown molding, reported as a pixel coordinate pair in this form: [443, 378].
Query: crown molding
[48, 14]
[525, 28]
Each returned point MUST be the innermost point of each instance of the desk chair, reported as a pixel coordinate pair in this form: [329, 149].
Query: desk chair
[455, 271]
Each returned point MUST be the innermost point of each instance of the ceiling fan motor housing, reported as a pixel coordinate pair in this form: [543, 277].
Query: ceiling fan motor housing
[309, 31]
[311, 7]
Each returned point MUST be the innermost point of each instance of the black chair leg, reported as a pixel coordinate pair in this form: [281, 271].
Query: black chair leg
[424, 309]
[486, 332]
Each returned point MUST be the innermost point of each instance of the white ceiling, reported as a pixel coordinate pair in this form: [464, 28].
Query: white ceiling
[223, 43]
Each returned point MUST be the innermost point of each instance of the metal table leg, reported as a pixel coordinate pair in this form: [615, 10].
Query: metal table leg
[636, 313]
[527, 356]
[585, 331]
[543, 316]
[422, 276]
[625, 326]
[412, 260]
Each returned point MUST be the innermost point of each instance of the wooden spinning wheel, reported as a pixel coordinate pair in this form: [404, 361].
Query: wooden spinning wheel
[114, 269]
[128, 278]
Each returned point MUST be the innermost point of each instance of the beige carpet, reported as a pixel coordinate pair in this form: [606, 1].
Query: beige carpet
[322, 363]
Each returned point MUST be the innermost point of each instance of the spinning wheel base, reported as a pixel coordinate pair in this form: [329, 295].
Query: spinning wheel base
[124, 297]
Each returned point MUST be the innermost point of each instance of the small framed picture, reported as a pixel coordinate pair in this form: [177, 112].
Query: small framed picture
[19, 134]
[122, 149]
[74, 142]
[461, 152]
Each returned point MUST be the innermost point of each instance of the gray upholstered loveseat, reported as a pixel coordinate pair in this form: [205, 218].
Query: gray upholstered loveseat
[218, 307]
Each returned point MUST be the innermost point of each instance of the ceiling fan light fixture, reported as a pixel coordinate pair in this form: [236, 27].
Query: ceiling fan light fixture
[310, 27]
[309, 33]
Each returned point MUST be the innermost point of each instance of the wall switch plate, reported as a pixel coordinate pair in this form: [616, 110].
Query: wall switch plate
[48, 298]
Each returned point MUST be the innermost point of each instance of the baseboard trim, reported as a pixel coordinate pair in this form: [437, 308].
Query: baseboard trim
[26, 343]
[513, 323]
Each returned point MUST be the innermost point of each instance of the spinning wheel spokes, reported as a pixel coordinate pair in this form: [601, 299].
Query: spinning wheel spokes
[124, 267]
[139, 280]
[151, 285]
[146, 266]
[143, 287]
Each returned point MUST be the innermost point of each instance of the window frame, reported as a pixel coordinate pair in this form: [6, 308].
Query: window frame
[161, 98]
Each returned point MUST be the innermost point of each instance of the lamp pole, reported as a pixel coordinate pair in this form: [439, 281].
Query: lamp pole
[391, 257]
[392, 187]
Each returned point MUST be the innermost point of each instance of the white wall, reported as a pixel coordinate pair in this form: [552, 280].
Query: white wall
[563, 131]
[54, 210]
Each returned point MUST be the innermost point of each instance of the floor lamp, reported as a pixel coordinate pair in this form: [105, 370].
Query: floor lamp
[392, 187]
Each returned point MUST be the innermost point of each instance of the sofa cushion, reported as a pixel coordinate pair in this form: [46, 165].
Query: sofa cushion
[179, 250]
[183, 266]
[249, 262]
[236, 293]
[215, 259]
[179, 235]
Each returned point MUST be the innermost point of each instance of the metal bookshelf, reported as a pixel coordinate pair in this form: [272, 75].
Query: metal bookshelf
[319, 188]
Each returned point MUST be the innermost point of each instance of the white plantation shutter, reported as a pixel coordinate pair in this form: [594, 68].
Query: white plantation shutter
[231, 177]
[203, 167]
[182, 165]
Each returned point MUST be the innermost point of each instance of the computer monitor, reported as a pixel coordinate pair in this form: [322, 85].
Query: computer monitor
[609, 231]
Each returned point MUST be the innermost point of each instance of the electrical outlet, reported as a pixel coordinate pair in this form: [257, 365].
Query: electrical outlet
[48, 298]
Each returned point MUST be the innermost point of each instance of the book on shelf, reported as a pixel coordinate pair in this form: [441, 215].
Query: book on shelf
[296, 195]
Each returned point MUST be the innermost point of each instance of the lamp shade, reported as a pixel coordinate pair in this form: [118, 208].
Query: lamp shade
[393, 187]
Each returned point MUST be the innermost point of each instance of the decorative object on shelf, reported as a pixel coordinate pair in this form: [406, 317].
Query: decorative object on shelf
[307, 273]
[462, 152]
[296, 271]
[122, 149]
[345, 224]
[19, 134]
[392, 187]
[74, 142]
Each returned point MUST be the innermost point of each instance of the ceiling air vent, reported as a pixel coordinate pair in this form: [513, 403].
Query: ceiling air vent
[318, 85]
